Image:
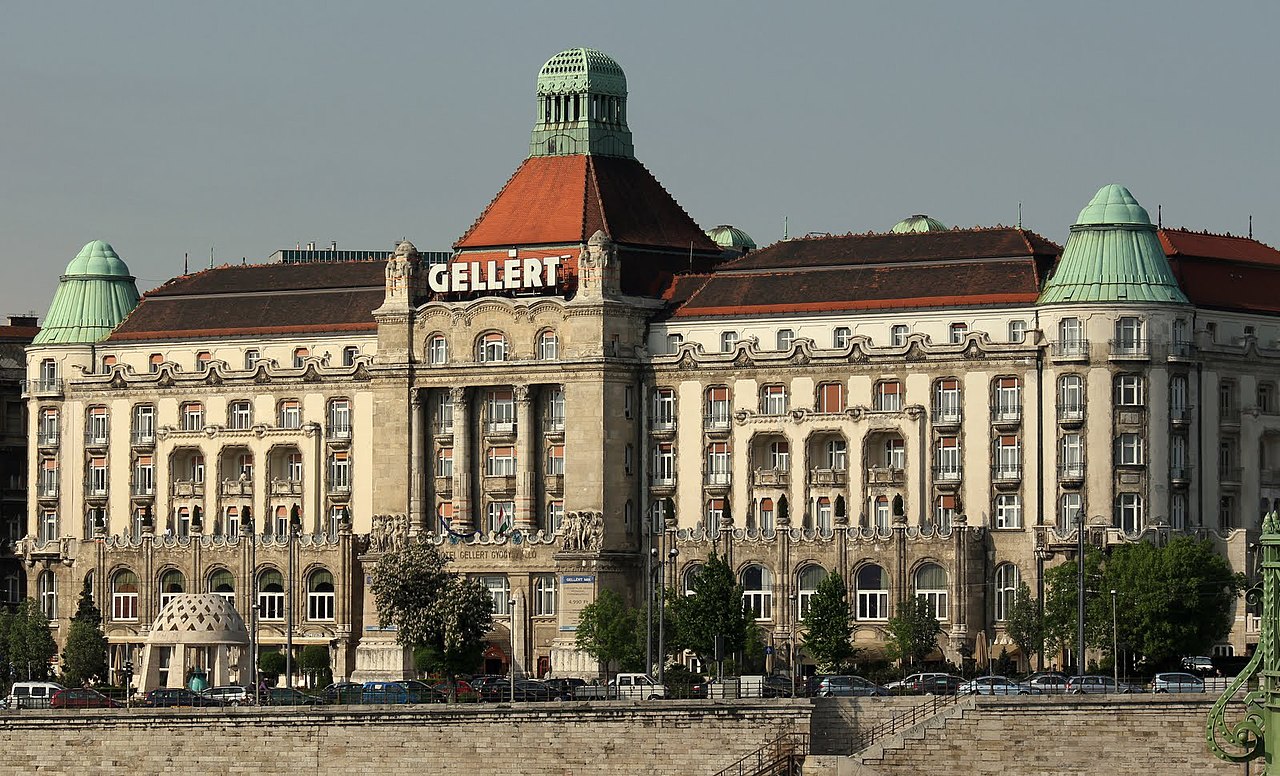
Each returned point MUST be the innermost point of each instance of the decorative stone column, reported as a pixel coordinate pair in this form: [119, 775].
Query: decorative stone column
[417, 476]
[526, 460]
[379, 657]
[463, 520]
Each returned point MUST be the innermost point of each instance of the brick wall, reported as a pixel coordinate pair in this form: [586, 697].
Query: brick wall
[676, 738]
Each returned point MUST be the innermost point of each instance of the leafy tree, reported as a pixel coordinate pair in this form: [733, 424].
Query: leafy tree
[314, 663]
[1061, 586]
[714, 608]
[829, 625]
[31, 646]
[438, 613]
[913, 630]
[1023, 622]
[611, 632]
[271, 663]
[84, 658]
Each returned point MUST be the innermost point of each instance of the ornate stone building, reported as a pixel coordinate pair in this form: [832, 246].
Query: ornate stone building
[590, 392]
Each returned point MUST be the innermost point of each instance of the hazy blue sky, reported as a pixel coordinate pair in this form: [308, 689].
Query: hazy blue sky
[168, 127]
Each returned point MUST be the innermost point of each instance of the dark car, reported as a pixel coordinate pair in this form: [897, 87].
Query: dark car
[564, 687]
[81, 698]
[465, 692]
[939, 684]
[289, 696]
[178, 697]
[343, 693]
[849, 685]
[408, 691]
[526, 690]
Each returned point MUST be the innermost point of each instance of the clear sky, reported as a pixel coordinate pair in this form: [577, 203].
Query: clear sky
[169, 127]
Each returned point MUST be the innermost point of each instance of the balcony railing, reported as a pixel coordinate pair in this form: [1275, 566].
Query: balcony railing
[340, 488]
[47, 438]
[286, 487]
[1071, 472]
[47, 489]
[553, 424]
[1070, 413]
[190, 489]
[142, 438]
[499, 483]
[662, 480]
[555, 483]
[717, 422]
[948, 417]
[338, 433]
[831, 478]
[1229, 474]
[142, 489]
[663, 423]
[719, 479]
[1130, 348]
[236, 488]
[1075, 348]
[49, 386]
[778, 478]
[96, 437]
[1180, 473]
[1181, 349]
[1180, 414]
[444, 485]
[1006, 472]
[442, 428]
[1006, 414]
[886, 475]
[92, 490]
[947, 473]
[500, 427]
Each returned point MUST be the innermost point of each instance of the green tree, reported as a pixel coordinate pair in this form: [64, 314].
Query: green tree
[715, 607]
[1023, 623]
[828, 636]
[437, 613]
[313, 662]
[913, 630]
[1059, 623]
[612, 633]
[271, 663]
[84, 657]
[31, 646]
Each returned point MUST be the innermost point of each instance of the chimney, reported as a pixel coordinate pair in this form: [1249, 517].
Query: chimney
[22, 320]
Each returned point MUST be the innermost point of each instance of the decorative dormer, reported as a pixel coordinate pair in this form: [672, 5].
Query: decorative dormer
[582, 107]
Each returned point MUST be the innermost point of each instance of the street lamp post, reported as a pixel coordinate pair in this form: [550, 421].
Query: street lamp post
[1080, 592]
[295, 525]
[1115, 650]
[793, 653]
[515, 612]
[246, 533]
[662, 617]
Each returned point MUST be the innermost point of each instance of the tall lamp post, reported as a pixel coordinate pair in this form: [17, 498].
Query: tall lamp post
[295, 526]
[246, 534]
[672, 554]
[793, 655]
[1115, 649]
[1080, 592]
[515, 612]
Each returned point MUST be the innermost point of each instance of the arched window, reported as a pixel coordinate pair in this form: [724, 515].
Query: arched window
[757, 591]
[1070, 398]
[880, 510]
[271, 595]
[765, 515]
[124, 595]
[224, 584]
[231, 522]
[807, 582]
[437, 350]
[172, 584]
[1007, 581]
[548, 346]
[873, 593]
[349, 354]
[728, 341]
[1006, 399]
[931, 585]
[689, 581]
[320, 595]
[300, 356]
[47, 587]
[822, 513]
[491, 347]
[888, 396]
[251, 358]
[10, 588]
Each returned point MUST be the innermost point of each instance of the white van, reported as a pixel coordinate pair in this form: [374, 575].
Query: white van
[31, 695]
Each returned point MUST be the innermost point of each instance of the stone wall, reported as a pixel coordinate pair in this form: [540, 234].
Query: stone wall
[837, 721]
[1087, 736]
[675, 738]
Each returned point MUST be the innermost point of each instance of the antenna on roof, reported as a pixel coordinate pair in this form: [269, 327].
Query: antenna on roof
[185, 257]
[1159, 216]
[1251, 226]
[1019, 215]
[785, 222]
[691, 255]
[210, 257]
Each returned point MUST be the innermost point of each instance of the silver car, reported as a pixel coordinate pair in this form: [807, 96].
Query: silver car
[231, 695]
[995, 685]
[1177, 682]
[1098, 685]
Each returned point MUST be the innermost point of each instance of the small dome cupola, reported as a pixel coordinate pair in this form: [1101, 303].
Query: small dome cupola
[918, 223]
[94, 295]
[1113, 255]
[732, 239]
[582, 106]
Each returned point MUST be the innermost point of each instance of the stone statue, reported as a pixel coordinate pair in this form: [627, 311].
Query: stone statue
[569, 530]
[377, 534]
[399, 534]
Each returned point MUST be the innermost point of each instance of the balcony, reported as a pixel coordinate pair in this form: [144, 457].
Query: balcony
[142, 489]
[47, 439]
[142, 438]
[286, 488]
[1137, 349]
[443, 485]
[828, 478]
[192, 489]
[1228, 415]
[662, 484]
[553, 424]
[96, 438]
[947, 473]
[442, 428]
[948, 418]
[1181, 351]
[718, 423]
[1180, 476]
[47, 388]
[236, 488]
[1071, 474]
[1070, 415]
[1006, 473]
[1069, 350]
[338, 433]
[502, 428]
[340, 488]
[95, 491]
[886, 475]
[770, 478]
[1180, 416]
[1229, 475]
[1006, 416]
[47, 490]
[663, 423]
[716, 480]
[554, 484]
[499, 484]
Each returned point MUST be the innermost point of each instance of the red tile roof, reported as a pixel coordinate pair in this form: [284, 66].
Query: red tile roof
[18, 333]
[1224, 272]
[873, 271]
[564, 200]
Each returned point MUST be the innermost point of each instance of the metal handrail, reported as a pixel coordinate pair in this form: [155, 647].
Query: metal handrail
[906, 719]
[765, 761]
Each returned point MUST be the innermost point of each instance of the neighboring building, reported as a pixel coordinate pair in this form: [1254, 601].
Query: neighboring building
[928, 411]
[13, 453]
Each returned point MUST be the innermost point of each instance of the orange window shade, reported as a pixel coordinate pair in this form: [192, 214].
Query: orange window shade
[301, 352]
[949, 442]
[717, 503]
[204, 355]
[718, 394]
[144, 460]
[766, 505]
[182, 512]
[882, 499]
[108, 360]
[889, 388]
[718, 448]
[339, 456]
[949, 384]
[832, 397]
[282, 512]
[157, 358]
[501, 452]
[446, 510]
[666, 447]
[446, 453]
[50, 465]
[98, 412]
[1008, 382]
[824, 502]
[233, 511]
[557, 451]
[947, 502]
[1008, 441]
[97, 463]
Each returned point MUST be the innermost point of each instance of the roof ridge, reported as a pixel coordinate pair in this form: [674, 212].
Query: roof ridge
[674, 201]
[492, 202]
[594, 183]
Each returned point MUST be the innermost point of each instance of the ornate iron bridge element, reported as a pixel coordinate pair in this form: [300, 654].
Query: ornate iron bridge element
[1250, 738]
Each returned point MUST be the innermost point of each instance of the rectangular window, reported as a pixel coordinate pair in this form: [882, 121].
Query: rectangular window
[500, 589]
[664, 408]
[555, 459]
[96, 426]
[629, 402]
[97, 485]
[500, 411]
[1008, 511]
[898, 335]
[946, 401]
[339, 473]
[500, 461]
[1008, 399]
[340, 419]
[1071, 338]
[544, 595]
[1129, 336]
[1017, 331]
[728, 341]
[555, 515]
[1008, 455]
[958, 332]
[718, 463]
[124, 604]
[241, 415]
[873, 604]
[290, 414]
[442, 412]
[836, 455]
[895, 454]
[320, 604]
[554, 417]
[1129, 391]
[1178, 511]
[773, 400]
[444, 462]
[293, 467]
[1129, 450]
[717, 407]
[47, 431]
[193, 417]
[785, 338]
[946, 512]
[888, 396]
[831, 398]
[841, 337]
[948, 453]
[144, 476]
[1129, 512]
[1071, 456]
[664, 464]
[1070, 507]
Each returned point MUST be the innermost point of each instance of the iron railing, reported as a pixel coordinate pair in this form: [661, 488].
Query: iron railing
[909, 718]
[782, 756]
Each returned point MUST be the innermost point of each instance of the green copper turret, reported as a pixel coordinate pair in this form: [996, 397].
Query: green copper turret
[94, 295]
[582, 107]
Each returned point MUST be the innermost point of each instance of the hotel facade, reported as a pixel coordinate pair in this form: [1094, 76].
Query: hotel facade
[591, 392]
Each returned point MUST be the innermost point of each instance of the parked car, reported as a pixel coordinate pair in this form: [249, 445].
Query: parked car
[1198, 663]
[343, 692]
[81, 698]
[289, 696]
[995, 685]
[1047, 682]
[465, 692]
[912, 685]
[565, 687]
[779, 686]
[849, 685]
[408, 691]
[625, 686]
[31, 695]
[940, 684]
[1090, 685]
[1177, 682]
[525, 690]
[231, 695]
[178, 697]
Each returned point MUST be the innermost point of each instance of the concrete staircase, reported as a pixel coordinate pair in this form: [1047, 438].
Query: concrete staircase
[865, 762]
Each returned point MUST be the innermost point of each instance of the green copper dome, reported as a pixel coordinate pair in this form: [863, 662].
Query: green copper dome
[1113, 255]
[731, 238]
[93, 297]
[918, 223]
[582, 107]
